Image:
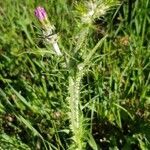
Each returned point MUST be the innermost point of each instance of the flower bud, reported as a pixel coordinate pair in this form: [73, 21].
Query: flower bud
[48, 29]
[40, 13]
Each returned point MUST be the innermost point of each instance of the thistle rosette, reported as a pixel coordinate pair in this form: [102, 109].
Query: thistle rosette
[48, 29]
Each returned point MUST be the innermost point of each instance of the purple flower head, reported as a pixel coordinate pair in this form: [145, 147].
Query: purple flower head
[40, 13]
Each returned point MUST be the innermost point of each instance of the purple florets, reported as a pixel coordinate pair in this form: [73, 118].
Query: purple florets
[40, 13]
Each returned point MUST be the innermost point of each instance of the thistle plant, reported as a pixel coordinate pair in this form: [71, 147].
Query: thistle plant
[48, 29]
[94, 9]
[92, 92]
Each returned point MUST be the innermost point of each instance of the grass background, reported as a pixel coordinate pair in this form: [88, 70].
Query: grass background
[114, 89]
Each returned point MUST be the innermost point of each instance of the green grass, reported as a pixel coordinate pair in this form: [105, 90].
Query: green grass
[95, 96]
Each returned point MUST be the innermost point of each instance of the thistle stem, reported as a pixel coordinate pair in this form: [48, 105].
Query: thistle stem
[56, 48]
